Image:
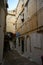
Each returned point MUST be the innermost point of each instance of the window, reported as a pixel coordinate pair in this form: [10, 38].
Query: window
[22, 18]
[27, 3]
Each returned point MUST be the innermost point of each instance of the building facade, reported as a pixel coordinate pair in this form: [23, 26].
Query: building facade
[3, 13]
[29, 29]
[10, 21]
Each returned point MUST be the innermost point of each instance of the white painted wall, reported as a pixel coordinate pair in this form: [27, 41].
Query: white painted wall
[36, 46]
[35, 41]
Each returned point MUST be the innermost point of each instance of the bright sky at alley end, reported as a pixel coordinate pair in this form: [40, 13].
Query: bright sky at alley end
[12, 4]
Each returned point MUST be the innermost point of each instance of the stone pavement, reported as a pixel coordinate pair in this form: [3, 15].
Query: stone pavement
[13, 58]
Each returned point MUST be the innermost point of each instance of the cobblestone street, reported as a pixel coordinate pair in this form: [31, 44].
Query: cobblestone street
[13, 58]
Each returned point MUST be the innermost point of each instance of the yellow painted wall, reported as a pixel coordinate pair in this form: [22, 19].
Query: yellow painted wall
[10, 21]
[34, 16]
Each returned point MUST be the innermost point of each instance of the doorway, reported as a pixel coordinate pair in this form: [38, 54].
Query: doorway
[28, 45]
[22, 44]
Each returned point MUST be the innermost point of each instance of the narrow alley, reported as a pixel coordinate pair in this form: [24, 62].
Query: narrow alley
[13, 58]
[21, 32]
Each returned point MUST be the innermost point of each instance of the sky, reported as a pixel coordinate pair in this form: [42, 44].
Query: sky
[12, 4]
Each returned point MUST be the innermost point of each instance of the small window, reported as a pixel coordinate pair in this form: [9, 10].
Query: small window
[26, 3]
[22, 18]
